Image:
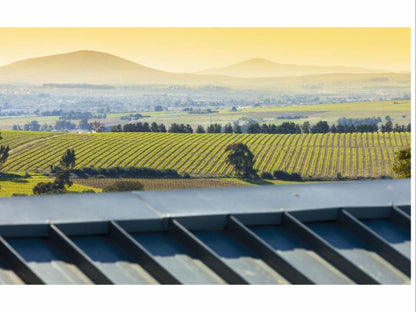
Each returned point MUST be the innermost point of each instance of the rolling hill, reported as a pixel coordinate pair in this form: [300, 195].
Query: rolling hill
[80, 67]
[92, 67]
[258, 67]
[319, 155]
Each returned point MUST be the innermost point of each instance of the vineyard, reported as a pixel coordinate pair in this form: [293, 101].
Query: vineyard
[163, 184]
[316, 155]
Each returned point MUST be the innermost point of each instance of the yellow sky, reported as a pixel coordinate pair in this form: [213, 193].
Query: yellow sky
[193, 49]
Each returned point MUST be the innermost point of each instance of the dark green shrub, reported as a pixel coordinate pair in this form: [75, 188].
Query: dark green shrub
[48, 188]
[266, 176]
[285, 176]
[124, 186]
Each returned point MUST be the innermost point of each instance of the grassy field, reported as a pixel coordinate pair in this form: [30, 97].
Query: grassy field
[7, 122]
[24, 186]
[399, 111]
[165, 184]
[316, 155]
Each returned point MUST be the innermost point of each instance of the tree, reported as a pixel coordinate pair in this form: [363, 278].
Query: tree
[266, 176]
[242, 159]
[228, 128]
[47, 188]
[387, 127]
[214, 128]
[97, 126]
[116, 128]
[287, 128]
[4, 153]
[237, 129]
[306, 127]
[320, 127]
[200, 129]
[265, 128]
[402, 165]
[62, 176]
[154, 127]
[254, 128]
[146, 127]
[189, 129]
[32, 126]
[64, 125]
[124, 186]
[83, 124]
[68, 160]
[162, 128]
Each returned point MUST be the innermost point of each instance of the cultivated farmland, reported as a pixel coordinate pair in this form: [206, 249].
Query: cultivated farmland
[164, 184]
[316, 155]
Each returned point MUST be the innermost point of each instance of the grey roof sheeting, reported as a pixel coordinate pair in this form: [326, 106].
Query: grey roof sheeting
[323, 233]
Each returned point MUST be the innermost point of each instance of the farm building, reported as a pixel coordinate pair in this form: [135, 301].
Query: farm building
[322, 233]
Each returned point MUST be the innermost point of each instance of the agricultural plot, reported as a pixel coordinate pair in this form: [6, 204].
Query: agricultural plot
[17, 138]
[164, 184]
[24, 186]
[399, 112]
[316, 155]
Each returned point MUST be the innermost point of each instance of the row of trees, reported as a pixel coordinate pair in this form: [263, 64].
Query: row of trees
[175, 128]
[139, 127]
[321, 126]
[34, 125]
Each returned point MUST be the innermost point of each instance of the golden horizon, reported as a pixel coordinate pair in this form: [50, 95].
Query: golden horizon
[195, 49]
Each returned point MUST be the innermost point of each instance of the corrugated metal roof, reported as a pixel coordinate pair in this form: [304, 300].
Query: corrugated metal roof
[323, 233]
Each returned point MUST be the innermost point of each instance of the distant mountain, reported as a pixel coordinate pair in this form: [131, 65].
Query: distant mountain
[81, 67]
[259, 67]
[97, 68]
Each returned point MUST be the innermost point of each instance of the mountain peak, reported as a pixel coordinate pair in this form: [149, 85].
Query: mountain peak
[258, 60]
[82, 66]
[261, 67]
[88, 53]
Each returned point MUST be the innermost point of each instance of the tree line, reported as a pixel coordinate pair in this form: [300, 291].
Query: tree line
[321, 126]
[344, 125]
[83, 124]
[175, 128]
[123, 172]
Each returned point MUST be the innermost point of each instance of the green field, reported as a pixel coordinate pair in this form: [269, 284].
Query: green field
[399, 111]
[165, 184]
[19, 138]
[316, 155]
[24, 186]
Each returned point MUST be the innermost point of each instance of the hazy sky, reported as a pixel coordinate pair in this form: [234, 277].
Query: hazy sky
[193, 49]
